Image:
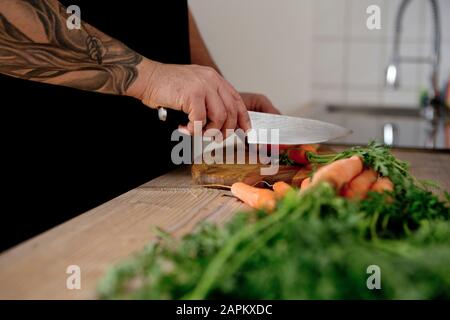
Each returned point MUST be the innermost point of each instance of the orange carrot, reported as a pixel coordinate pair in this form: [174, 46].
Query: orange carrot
[305, 183]
[281, 188]
[298, 153]
[360, 185]
[338, 173]
[256, 198]
[382, 184]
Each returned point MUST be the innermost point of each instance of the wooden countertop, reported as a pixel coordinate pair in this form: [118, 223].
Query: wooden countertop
[36, 269]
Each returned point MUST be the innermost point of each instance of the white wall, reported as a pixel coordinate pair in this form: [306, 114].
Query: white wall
[349, 60]
[261, 45]
[302, 51]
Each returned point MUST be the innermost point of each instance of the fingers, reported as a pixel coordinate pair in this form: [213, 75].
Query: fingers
[271, 109]
[224, 105]
[267, 106]
[216, 111]
[259, 103]
[212, 100]
[243, 119]
[196, 110]
[231, 108]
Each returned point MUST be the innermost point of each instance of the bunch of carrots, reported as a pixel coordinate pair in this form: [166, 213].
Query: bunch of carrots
[348, 176]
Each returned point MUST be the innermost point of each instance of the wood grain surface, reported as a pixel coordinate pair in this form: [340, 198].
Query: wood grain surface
[227, 174]
[36, 269]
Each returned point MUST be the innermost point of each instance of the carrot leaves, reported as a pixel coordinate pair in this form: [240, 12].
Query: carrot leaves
[315, 245]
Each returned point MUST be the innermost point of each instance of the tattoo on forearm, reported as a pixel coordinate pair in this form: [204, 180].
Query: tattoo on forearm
[85, 59]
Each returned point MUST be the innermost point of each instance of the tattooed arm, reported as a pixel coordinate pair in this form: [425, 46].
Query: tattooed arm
[36, 44]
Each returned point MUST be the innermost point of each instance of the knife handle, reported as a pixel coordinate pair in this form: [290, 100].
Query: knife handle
[162, 113]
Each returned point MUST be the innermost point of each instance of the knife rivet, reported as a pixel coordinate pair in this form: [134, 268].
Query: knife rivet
[162, 114]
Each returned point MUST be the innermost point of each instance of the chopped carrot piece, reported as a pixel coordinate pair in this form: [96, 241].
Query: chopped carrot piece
[256, 198]
[281, 188]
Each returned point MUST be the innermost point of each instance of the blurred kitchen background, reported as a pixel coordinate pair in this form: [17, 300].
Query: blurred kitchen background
[317, 58]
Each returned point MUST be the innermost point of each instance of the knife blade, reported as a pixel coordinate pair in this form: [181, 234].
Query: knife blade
[292, 130]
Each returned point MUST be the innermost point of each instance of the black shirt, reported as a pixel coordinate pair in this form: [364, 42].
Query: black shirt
[65, 151]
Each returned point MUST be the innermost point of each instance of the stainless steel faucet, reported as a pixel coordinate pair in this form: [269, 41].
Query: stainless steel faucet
[392, 70]
[435, 111]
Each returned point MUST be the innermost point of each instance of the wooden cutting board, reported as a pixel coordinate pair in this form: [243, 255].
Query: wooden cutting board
[227, 174]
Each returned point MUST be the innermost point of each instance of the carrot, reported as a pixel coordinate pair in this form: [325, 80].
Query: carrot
[305, 183]
[382, 184]
[338, 173]
[281, 188]
[360, 185]
[256, 198]
[298, 153]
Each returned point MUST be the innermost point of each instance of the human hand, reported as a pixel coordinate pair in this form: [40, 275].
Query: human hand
[198, 91]
[258, 102]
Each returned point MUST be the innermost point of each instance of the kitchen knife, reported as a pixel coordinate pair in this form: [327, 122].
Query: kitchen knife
[291, 130]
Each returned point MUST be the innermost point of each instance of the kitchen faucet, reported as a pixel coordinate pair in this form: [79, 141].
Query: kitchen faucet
[435, 111]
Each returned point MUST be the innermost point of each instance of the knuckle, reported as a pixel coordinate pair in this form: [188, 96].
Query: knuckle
[221, 116]
[198, 113]
[233, 111]
[210, 72]
[197, 91]
[236, 96]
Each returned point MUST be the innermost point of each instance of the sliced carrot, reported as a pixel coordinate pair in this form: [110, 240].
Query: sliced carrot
[281, 188]
[305, 183]
[338, 173]
[360, 185]
[382, 184]
[254, 197]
